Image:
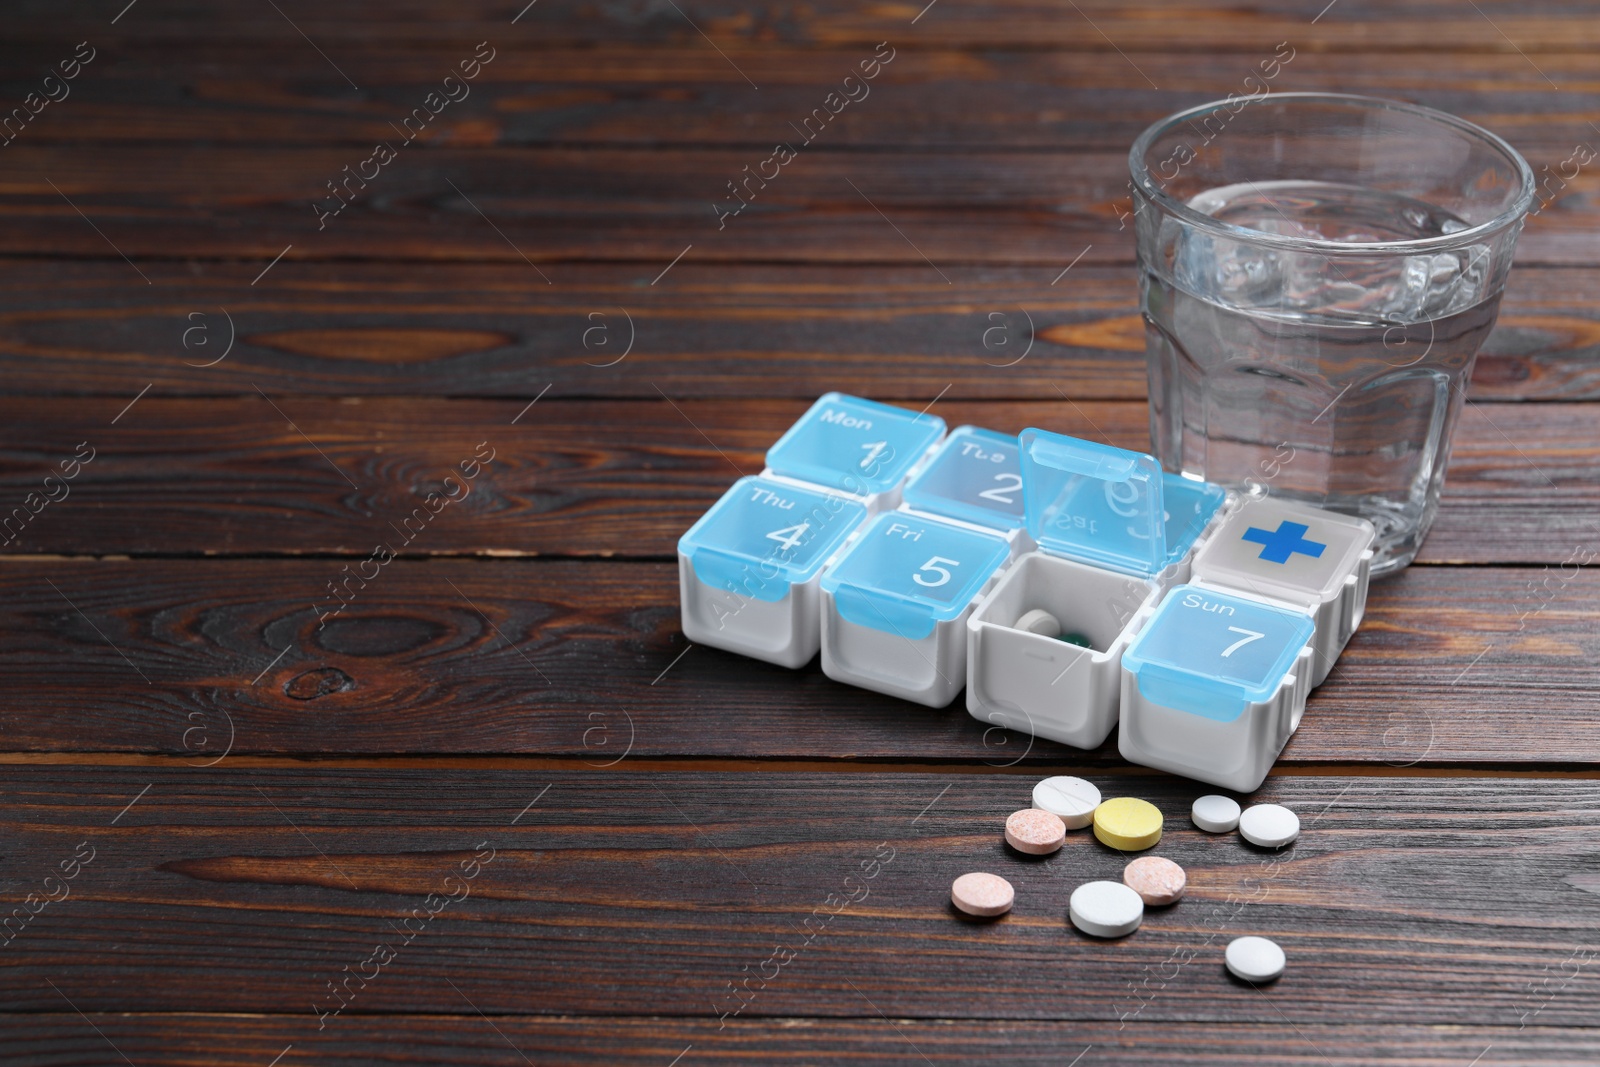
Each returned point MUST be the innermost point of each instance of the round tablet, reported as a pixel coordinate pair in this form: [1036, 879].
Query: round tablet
[982, 894]
[1105, 909]
[1156, 880]
[1035, 832]
[1072, 800]
[1214, 814]
[1127, 823]
[1039, 621]
[1269, 825]
[1255, 959]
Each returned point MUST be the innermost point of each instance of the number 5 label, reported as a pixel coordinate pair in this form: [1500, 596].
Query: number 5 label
[933, 565]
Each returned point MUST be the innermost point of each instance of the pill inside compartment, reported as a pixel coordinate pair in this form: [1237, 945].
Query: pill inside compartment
[1043, 684]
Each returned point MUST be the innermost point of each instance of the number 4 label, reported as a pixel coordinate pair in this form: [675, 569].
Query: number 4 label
[1249, 635]
[789, 536]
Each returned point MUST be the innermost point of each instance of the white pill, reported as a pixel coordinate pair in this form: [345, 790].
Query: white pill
[1255, 959]
[1269, 825]
[1072, 799]
[1214, 814]
[1040, 621]
[1105, 909]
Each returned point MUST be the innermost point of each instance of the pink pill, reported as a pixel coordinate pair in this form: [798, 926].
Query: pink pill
[982, 894]
[1035, 831]
[1156, 880]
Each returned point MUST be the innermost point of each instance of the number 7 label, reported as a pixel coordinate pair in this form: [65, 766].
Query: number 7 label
[1249, 635]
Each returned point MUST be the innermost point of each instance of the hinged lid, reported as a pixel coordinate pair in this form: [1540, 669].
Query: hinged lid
[854, 445]
[909, 572]
[975, 476]
[1110, 506]
[1213, 653]
[764, 536]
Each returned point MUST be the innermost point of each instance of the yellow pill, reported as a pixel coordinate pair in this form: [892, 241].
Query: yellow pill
[1127, 823]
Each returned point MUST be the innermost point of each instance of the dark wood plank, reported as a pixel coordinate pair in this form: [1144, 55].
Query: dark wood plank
[237, 92]
[612, 478]
[483, 330]
[1415, 902]
[1197, 25]
[200, 658]
[504, 1041]
[1041, 209]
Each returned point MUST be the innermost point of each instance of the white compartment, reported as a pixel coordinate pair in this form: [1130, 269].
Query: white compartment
[748, 570]
[895, 605]
[1214, 684]
[1043, 685]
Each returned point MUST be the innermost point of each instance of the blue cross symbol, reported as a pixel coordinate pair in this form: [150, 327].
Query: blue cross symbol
[1278, 545]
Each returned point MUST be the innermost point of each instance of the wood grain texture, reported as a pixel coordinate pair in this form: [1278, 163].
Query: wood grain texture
[1499, 26]
[895, 333]
[235, 92]
[201, 658]
[951, 209]
[626, 478]
[1412, 902]
[514, 1041]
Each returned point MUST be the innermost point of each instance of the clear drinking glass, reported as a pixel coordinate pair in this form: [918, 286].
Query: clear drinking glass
[1317, 272]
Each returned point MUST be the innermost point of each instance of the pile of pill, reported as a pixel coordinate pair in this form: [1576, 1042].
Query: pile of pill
[1128, 824]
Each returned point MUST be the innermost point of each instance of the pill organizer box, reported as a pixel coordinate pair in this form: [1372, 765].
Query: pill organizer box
[895, 605]
[748, 569]
[855, 446]
[906, 557]
[1112, 531]
[1214, 684]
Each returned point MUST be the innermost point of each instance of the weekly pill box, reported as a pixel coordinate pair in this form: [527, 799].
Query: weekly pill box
[855, 446]
[748, 570]
[1112, 530]
[902, 556]
[1214, 684]
[896, 602]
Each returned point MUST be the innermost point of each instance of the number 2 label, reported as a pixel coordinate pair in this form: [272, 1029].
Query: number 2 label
[998, 493]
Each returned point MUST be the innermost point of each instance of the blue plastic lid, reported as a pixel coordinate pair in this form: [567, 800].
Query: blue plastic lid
[1110, 506]
[1213, 654]
[975, 476]
[763, 536]
[854, 445]
[910, 572]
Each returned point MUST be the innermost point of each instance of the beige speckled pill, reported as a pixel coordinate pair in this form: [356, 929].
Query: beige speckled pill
[1156, 880]
[984, 895]
[1035, 831]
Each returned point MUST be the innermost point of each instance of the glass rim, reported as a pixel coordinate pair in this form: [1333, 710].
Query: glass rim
[1144, 184]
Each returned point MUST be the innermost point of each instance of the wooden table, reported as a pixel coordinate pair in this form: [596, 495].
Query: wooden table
[495, 810]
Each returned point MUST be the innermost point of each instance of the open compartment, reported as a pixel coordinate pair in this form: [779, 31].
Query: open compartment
[1046, 685]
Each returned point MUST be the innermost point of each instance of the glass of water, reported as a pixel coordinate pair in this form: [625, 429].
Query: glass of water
[1317, 272]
